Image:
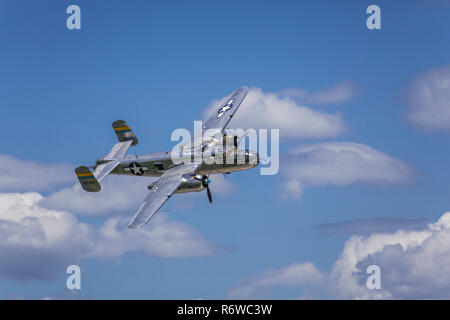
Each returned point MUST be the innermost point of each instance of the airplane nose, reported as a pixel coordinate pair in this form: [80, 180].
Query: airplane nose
[251, 158]
[255, 157]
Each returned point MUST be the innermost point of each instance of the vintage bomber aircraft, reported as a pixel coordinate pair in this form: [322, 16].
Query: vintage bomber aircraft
[187, 176]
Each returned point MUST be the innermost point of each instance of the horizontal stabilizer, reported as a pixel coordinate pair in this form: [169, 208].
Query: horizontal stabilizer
[104, 169]
[119, 150]
[87, 179]
[123, 132]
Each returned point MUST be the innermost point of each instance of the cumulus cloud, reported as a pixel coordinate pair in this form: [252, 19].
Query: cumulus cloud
[301, 274]
[414, 264]
[37, 243]
[161, 238]
[341, 164]
[21, 175]
[118, 194]
[274, 110]
[337, 94]
[429, 100]
[222, 185]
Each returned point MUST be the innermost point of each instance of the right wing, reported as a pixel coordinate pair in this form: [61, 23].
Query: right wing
[161, 192]
[222, 115]
[218, 120]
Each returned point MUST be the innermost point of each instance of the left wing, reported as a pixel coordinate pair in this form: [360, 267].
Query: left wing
[161, 192]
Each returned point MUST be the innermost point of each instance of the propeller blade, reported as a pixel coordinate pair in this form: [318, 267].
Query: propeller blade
[208, 192]
[205, 183]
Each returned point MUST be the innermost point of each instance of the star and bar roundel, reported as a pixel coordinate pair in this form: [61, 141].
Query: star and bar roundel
[135, 168]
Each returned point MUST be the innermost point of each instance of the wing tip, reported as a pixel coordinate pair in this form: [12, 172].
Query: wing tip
[132, 226]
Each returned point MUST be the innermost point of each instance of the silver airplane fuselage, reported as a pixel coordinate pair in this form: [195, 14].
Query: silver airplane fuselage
[155, 164]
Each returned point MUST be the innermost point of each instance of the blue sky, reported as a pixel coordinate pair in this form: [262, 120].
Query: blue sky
[159, 65]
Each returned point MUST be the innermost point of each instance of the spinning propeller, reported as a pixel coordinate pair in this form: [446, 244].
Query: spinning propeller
[205, 183]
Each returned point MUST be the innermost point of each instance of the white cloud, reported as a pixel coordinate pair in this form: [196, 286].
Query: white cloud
[22, 175]
[118, 194]
[337, 94]
[37, 243]
[414, 265]
[273, 110]
[429, 100]
[221, 184]
[293, 188]
[159, 238]
[341, 164]
[301, 274]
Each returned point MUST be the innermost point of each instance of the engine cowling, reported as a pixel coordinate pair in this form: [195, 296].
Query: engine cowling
[230, 140]
[190, 185]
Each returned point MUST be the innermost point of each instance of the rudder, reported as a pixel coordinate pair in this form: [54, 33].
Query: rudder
[87, 179]
[123, 132]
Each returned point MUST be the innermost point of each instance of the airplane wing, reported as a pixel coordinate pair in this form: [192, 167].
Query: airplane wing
[222, 115]
[161, 192]
[218, 120]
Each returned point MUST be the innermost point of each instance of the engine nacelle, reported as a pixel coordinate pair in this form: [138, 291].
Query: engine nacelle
[230, 140]
[190, 185]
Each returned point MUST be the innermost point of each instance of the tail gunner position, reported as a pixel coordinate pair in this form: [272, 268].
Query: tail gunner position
[174, 177]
